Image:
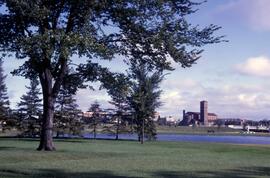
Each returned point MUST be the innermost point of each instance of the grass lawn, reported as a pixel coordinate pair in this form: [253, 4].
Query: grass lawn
[104, 158]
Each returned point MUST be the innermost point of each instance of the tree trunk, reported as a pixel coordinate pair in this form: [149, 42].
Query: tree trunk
[57, 134]
[46, 137]
[117, 129]
[142, 132]
[132, 119]
[94, 132]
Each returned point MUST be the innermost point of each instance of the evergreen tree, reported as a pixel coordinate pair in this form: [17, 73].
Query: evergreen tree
[31, 102]
[67, 119]
[4, 100]
[144, 99]
[95, 118]
[118, 91]
[30, 109]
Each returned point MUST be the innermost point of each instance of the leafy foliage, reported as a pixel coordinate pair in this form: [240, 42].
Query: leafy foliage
[153, 29]
[144, 99]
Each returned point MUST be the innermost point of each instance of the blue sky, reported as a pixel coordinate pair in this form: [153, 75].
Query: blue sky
[234, 77]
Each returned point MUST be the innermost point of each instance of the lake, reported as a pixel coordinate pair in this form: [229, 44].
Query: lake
[247, 139]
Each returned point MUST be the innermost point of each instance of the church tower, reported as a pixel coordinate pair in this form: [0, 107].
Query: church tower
[204, 112]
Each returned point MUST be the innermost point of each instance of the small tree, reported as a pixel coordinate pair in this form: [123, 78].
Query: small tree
[67, 119]
[30, 109]
[118, 91]
[95, 118]
[144, 99]
[4, 100]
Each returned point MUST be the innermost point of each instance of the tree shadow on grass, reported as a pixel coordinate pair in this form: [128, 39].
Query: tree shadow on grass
[69, 140]
[65, 139]
[2, 148]
[113, 139]
[48, 173]
[12, 173]
[233, 173]
[30, 139]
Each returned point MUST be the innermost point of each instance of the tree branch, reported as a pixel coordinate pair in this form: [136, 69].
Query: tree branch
[60, 78]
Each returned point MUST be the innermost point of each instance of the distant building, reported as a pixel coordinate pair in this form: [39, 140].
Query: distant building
[230, 121]
[212, 118]
[204, 112]
[199, 118]
[89, 114]
[162, 121]
[190, 118]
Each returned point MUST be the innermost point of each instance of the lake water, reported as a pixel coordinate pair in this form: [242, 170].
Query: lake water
[248, 139]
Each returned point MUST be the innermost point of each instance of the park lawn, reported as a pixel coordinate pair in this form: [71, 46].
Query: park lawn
[105, 158]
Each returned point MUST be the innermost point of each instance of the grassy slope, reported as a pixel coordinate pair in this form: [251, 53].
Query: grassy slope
[101, 158]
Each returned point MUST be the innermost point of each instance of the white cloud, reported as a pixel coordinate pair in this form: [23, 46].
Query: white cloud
[174, 83]
[227, 100]
[253, 12]
[255, 66]
[250, 100]
[86, 97]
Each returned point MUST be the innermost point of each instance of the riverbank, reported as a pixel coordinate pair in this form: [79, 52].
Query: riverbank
[205, 131]
[196, 130]
[105, 158]
[182, 130]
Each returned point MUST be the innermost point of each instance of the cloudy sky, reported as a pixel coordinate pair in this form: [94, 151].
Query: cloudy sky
[233, 77]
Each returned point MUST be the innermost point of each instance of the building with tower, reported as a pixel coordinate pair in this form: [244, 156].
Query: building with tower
[199, 118]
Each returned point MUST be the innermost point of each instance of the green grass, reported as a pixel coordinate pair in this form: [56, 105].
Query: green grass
[104, 158]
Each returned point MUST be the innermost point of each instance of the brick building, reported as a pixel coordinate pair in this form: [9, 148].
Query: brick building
[199, 118]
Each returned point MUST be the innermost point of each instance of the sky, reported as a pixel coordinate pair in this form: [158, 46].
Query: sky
[234, 76]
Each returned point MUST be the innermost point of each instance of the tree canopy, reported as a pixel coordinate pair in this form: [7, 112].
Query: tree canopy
[47, 32]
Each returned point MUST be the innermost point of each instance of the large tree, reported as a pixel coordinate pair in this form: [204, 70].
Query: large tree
[48, 33]
[4, 101]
